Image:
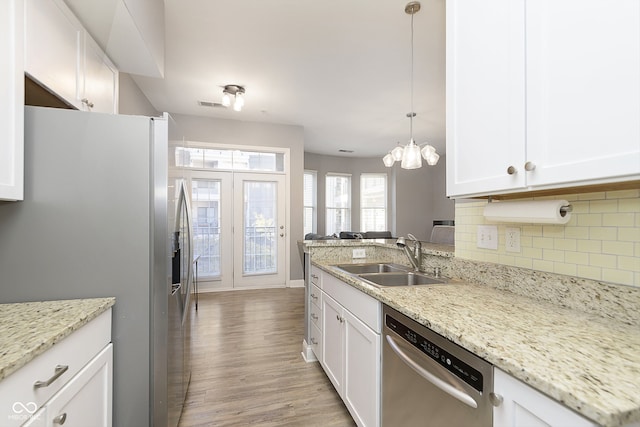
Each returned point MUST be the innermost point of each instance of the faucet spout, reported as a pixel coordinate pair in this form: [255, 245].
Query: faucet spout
[415, 256]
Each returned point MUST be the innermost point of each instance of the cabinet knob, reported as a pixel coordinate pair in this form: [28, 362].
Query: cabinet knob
[495, 399]
[86, 102]
[60, 419]
[511, 170]
[529, 166]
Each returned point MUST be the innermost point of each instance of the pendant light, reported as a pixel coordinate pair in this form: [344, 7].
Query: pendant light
[411, 155]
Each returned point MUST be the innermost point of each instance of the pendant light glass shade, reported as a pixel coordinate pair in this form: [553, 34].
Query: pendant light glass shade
[388, 160]
[411, 157]
[397, 153]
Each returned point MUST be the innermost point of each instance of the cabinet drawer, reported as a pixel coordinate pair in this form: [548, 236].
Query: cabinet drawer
[316, 341]
[316, 276]
[315, 295]
[315, 313]
[364, 307]
[74, 351]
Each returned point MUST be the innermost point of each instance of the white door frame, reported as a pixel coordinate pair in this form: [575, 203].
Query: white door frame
[287, 184]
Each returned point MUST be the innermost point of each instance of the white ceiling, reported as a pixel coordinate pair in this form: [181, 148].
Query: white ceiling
[339, 68]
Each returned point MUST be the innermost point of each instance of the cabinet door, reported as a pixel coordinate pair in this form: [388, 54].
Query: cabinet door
[361, 371]
[100, 82]
[52, 48]
[583, 90]
[11, 100]
[333, 341]
[86, 400]
[525, 407]
[485, 96]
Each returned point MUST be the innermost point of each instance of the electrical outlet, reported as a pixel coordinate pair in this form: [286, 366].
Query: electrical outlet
[359, 253]
[487, 237]
[512, 239]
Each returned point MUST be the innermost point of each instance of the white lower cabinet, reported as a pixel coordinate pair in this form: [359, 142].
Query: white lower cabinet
[70, 384]
[83, 401]
[351, 348]
[524, 406]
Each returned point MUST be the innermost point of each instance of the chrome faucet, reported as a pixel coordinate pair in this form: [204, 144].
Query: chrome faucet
[415, 257]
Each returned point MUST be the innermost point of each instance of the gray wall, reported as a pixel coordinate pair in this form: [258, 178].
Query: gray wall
[131, 100]
[203, 129]
[416, 197]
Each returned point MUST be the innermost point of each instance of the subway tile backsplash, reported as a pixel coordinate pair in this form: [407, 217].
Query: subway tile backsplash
[600, 242]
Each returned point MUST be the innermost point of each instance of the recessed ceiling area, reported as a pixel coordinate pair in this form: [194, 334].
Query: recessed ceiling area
[340, 69]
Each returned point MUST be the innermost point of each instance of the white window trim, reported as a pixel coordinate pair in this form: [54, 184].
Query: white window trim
[386, 198]
[314, 205]
[349, 209]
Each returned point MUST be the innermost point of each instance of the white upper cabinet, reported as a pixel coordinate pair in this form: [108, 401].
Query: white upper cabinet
[583, 90]
[542, 94]
[61, 56]
[11, 100]
[131, 32]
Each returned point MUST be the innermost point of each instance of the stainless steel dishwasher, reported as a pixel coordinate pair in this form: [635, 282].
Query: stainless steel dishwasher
[429, 381]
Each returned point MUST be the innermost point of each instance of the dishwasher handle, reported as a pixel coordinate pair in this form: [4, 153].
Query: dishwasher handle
[442, 385]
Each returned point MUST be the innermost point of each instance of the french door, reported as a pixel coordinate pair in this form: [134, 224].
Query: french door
[239, 229]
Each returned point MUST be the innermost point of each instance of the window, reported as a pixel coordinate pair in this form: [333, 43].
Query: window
[232, 159]
[310, 201]
[373, 202]
[338, 202]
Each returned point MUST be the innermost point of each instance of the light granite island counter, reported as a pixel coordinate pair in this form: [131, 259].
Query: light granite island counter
[587, 360]
[56, 362]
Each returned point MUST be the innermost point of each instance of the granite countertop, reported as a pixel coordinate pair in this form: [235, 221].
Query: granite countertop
[31, 328]
[588, 363]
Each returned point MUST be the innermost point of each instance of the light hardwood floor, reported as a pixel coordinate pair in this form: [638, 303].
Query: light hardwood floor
[247, 368]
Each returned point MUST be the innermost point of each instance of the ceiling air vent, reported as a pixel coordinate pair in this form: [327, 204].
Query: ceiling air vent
[342, 150]
[210, 104]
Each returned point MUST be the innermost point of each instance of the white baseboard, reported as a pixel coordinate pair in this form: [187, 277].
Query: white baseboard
[296, 283]
[307, 353]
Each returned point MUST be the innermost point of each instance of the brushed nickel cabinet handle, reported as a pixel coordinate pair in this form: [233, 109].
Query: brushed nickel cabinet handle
[512, 170]
[529, 166]
[313, 341]
[58, 371]
[86, 102]
[60, 419]
[314, 317]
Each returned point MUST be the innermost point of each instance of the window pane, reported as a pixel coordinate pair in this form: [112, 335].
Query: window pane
[211, 158]
[260, 219]
[373, 202]
[205, 203]
[338, 202]
[309, 202]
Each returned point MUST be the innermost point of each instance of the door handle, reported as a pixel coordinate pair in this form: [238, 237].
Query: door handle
[442, 385]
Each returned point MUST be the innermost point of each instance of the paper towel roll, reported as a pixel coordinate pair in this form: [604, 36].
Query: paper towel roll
[534, 211]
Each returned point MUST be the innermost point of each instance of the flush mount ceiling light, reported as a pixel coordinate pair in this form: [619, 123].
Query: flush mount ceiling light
[235, 91]
[411, 154]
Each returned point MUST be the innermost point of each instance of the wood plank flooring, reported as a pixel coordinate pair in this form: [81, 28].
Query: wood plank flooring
[247, 368]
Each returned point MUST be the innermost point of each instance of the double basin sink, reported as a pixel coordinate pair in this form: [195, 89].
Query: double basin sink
[387, 274]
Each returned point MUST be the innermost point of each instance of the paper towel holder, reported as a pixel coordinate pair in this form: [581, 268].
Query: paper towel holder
[530, 211]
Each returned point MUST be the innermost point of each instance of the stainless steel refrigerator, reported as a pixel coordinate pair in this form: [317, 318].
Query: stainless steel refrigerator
[99, 219]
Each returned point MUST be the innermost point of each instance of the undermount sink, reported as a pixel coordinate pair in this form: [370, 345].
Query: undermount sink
[388, 274]
[402, 278]
[371, 268]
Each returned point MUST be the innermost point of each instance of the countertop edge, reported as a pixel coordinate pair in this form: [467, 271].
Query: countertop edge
[85, 316]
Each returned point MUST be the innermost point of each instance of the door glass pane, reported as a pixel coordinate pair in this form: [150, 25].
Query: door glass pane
[206, 225]
[260, 221]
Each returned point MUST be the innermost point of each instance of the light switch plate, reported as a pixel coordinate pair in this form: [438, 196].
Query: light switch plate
[487, 237]
[359, 253]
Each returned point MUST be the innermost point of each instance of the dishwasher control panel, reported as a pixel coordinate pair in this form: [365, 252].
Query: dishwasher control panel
[462, 370]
